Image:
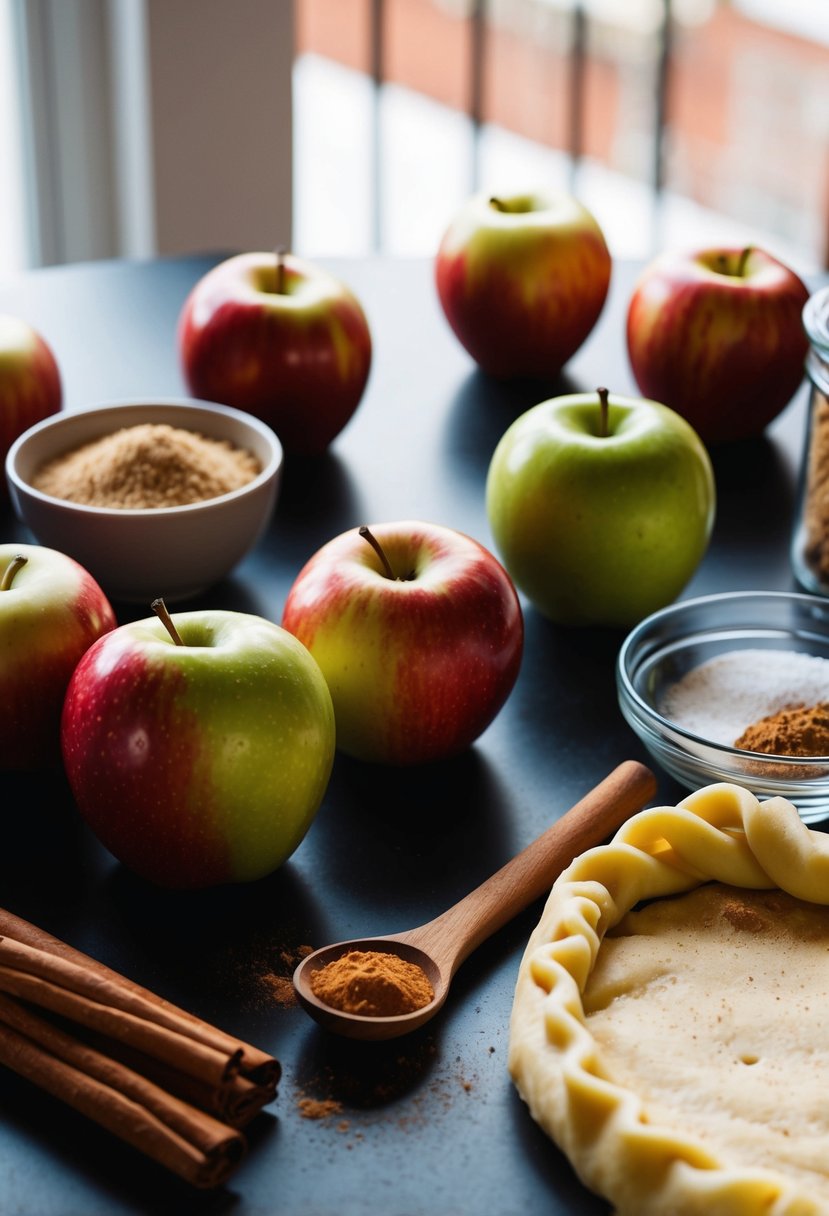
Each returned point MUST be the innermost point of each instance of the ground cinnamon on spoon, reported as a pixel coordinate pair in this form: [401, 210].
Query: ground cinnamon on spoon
[372, 983]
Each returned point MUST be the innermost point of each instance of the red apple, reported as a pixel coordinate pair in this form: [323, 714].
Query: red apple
[281, 339]
[198, 752]
[522, 280]
[30, 386]
[418, 631]
[51, 612]
[717, 335]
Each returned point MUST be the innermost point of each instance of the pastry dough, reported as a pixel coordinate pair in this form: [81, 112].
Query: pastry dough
[605, 1061]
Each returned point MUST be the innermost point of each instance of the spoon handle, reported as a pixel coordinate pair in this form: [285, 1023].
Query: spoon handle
[453, 935]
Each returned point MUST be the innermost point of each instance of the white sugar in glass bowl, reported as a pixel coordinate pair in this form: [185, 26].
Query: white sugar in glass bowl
[693, 676]
[139, 554]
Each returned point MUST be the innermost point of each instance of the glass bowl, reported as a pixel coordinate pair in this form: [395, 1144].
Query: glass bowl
[689, 724]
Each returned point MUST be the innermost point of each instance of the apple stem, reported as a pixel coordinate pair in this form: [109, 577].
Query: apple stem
[160, 609]
[280, 269]
[722, 260]
[14, 565]
[603, 412]
[378, 549]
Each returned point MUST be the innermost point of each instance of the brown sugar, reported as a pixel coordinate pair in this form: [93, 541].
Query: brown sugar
[147, 466]
[372, 983]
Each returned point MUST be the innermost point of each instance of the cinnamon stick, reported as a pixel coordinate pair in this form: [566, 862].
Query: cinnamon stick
[111, 992]
[162, 1079]
[187, 1055]
[235, 1103]
[254, 1063]
[187, 1141]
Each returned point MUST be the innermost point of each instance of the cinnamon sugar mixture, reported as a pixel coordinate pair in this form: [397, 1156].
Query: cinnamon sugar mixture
[145, 466]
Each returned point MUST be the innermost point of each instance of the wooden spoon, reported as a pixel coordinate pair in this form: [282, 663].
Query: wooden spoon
[440, 946]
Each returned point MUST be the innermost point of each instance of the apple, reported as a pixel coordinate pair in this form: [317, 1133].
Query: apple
[281, 339]
[522, 280]
[51, 611]
[198, 751]
[601, 506]
[417, 629]
[30, 385]
[717, 335]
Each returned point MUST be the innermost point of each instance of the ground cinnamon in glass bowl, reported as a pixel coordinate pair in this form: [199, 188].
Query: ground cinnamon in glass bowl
[693, 677]
[802, 730]
[148, 528]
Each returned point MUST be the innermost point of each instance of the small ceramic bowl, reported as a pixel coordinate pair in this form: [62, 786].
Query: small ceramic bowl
[761, 651]
[137, 555]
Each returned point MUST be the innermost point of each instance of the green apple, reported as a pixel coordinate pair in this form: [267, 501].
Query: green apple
[199, 752]
[601, 506]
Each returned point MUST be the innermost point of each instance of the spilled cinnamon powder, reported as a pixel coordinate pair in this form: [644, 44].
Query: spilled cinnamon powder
[319, 1108]
[276, 986]
[280, 988]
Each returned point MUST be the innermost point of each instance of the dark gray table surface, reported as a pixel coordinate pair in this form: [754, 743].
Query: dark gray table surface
[429, 1124]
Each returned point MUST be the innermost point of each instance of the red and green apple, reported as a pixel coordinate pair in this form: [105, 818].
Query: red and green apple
[198, 751]
[522, 279]
[418, 630]
[601, 506]
[280, 338]
[717, 335]
[51, 612]
[30, 384]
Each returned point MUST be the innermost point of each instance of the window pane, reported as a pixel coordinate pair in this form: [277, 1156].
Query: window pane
[13, 244]
[742, 156]
[750, 109]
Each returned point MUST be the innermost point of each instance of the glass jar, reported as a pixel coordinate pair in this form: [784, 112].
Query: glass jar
[810, 543]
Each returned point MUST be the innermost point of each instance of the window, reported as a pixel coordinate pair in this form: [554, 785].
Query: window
[710, 126]
[13, 247]
[405, 106]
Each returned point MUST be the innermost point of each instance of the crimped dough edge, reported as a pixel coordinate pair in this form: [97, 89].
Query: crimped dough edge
[719, 833]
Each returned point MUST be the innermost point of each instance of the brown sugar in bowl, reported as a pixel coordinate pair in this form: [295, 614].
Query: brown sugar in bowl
[148, 465]
[139, 553]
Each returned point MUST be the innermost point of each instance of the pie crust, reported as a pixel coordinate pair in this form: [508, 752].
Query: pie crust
[648, 1158]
